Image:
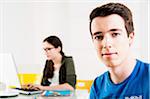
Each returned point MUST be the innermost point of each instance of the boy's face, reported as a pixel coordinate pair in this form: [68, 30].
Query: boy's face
[110, 39]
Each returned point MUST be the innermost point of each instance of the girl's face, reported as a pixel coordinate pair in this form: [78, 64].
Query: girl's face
[50, 51]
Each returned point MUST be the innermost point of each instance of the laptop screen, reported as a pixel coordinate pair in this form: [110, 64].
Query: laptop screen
[8, 70]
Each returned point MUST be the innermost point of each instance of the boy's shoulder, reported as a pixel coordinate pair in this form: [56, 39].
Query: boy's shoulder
[101, 77]
[143, 64]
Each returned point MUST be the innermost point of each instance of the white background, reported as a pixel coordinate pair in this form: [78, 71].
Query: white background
[25, 23]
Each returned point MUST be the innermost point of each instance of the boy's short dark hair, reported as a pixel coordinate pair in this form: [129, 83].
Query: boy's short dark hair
[114, 8]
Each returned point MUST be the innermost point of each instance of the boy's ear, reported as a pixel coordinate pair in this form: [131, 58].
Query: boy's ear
[131, 37]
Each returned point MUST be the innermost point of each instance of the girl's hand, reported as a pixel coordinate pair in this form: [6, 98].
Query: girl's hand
[31, 87]
[37, 87]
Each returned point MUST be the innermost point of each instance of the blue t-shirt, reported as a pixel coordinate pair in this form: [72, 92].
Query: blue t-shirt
[136, 86]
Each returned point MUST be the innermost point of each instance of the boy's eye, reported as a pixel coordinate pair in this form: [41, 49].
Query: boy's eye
[115, 34]
[99, 37]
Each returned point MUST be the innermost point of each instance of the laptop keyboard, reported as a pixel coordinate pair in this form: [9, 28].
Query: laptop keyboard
[24, 89]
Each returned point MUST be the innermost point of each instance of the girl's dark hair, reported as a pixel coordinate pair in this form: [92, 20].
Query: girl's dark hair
[55, 41]
[48, 71]
[114, 8]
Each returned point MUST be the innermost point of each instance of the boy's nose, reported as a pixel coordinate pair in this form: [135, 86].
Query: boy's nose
[107, 43]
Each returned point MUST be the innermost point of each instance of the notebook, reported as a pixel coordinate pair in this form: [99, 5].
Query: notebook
[56, 93]
[9, 74]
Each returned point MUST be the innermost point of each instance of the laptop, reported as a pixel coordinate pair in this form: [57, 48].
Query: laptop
[9, 74]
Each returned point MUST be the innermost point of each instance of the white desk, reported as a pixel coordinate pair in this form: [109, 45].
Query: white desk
[78, 94]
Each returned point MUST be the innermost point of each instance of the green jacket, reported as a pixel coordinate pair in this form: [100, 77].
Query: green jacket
[66, 73]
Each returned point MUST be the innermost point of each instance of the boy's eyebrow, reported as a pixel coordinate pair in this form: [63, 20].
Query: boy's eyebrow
[96, 33]
[115, 30]
[111, 30]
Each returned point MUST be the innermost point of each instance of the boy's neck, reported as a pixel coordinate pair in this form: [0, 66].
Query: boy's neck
[119, 73]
